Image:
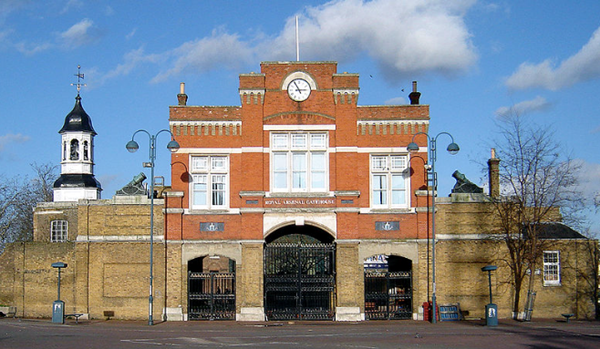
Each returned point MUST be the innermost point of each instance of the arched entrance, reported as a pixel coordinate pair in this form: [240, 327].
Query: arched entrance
[211, 288]
[388, 288]
[299, 282]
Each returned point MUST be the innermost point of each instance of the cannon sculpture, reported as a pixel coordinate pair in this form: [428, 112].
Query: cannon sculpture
[463, 185]
[135, 187]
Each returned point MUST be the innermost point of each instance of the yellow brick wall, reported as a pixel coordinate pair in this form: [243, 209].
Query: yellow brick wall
[46, 212]
[459, 261]
[108, 268]
[349, 276]
[250, 277]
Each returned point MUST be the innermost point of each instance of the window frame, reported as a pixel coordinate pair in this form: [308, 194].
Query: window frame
[384, 190]
[59, 230]
[551, 268]
[299, 162]
[214, 170]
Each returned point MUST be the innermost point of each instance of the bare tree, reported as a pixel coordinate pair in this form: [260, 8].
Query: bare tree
[8, 195]
[589, 273]
[538, 185]
[18, 198]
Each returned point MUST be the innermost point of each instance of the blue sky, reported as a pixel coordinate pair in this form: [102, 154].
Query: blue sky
[474, 60]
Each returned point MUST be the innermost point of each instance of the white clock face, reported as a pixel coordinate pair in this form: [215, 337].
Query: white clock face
[298, 90]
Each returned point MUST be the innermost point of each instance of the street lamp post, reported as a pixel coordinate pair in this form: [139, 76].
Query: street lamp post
[491, 309]
[132, 146]
[58, 307]
[452, 148]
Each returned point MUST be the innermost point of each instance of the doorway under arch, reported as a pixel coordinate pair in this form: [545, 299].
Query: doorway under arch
[388, 288]
[211, 288]
[299, 279]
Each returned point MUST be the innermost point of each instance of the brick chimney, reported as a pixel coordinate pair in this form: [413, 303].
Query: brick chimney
[182, 97]
[494, 174]
[414, 95]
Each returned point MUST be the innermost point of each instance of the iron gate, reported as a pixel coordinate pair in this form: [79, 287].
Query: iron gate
[388, 296]
[211, 296]
[299, 281]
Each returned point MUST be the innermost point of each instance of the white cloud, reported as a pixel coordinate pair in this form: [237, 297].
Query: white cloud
[132, 60]
[131, 34]
[589, 179]
[4, 35]
[9, 138]
[220, 50]
[582, 66]
[31, 49]
[71, 4]
[8, 6]
[109, 11]
[79, 34]
[537, 104]
[404, 37]
[396, 101]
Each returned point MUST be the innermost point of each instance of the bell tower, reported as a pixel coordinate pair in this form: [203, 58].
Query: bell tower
[77, 179]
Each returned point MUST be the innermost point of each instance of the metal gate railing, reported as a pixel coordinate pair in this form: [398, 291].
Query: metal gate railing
[388, 296]
[211, 296]
[299, 281]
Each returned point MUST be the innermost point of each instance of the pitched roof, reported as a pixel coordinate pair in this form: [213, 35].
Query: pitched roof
[558, 231]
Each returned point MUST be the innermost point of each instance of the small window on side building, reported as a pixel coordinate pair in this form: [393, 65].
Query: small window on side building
[59, 231]
[551, 268]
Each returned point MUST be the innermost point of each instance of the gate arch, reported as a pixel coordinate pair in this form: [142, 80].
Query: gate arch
[211, 288]
[388, 288]
[299, 274]
[319, 231]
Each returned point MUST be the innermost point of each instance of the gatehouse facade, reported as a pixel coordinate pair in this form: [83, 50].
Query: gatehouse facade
[299, 186]
[297, 204]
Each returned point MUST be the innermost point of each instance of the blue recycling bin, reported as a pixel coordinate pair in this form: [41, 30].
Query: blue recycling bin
[58, 312]
[491, 314]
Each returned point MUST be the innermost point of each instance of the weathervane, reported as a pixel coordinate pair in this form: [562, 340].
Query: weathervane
[79, 76]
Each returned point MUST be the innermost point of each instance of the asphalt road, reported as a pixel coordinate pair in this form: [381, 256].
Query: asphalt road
[33, 334]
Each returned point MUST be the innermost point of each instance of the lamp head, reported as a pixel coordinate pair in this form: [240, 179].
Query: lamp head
[489, 268]
[412, 147]
[173, 146]
[132, 146]
[453, 148]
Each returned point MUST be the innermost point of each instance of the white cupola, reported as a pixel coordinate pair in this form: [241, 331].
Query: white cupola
[77, 179]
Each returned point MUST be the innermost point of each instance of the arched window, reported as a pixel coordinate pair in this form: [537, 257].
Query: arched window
[74, 150]
[85, 151]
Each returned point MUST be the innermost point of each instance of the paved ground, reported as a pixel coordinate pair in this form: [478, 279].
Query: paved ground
[33, 334]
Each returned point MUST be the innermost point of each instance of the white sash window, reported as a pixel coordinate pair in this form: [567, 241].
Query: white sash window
[299, 162]
[210, 181]
[389, 181]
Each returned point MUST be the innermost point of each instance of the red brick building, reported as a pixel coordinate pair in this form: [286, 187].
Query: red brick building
[299, 162]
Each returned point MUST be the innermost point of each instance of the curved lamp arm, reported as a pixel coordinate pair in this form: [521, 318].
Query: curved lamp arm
[132, 146]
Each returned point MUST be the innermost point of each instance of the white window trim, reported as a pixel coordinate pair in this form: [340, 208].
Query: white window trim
[64, 234]
[388, 172]
[209, 173]
[556, 282]
[289, 150]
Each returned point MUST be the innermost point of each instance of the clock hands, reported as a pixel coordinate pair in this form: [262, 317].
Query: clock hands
[298, 87]
[298, 90]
